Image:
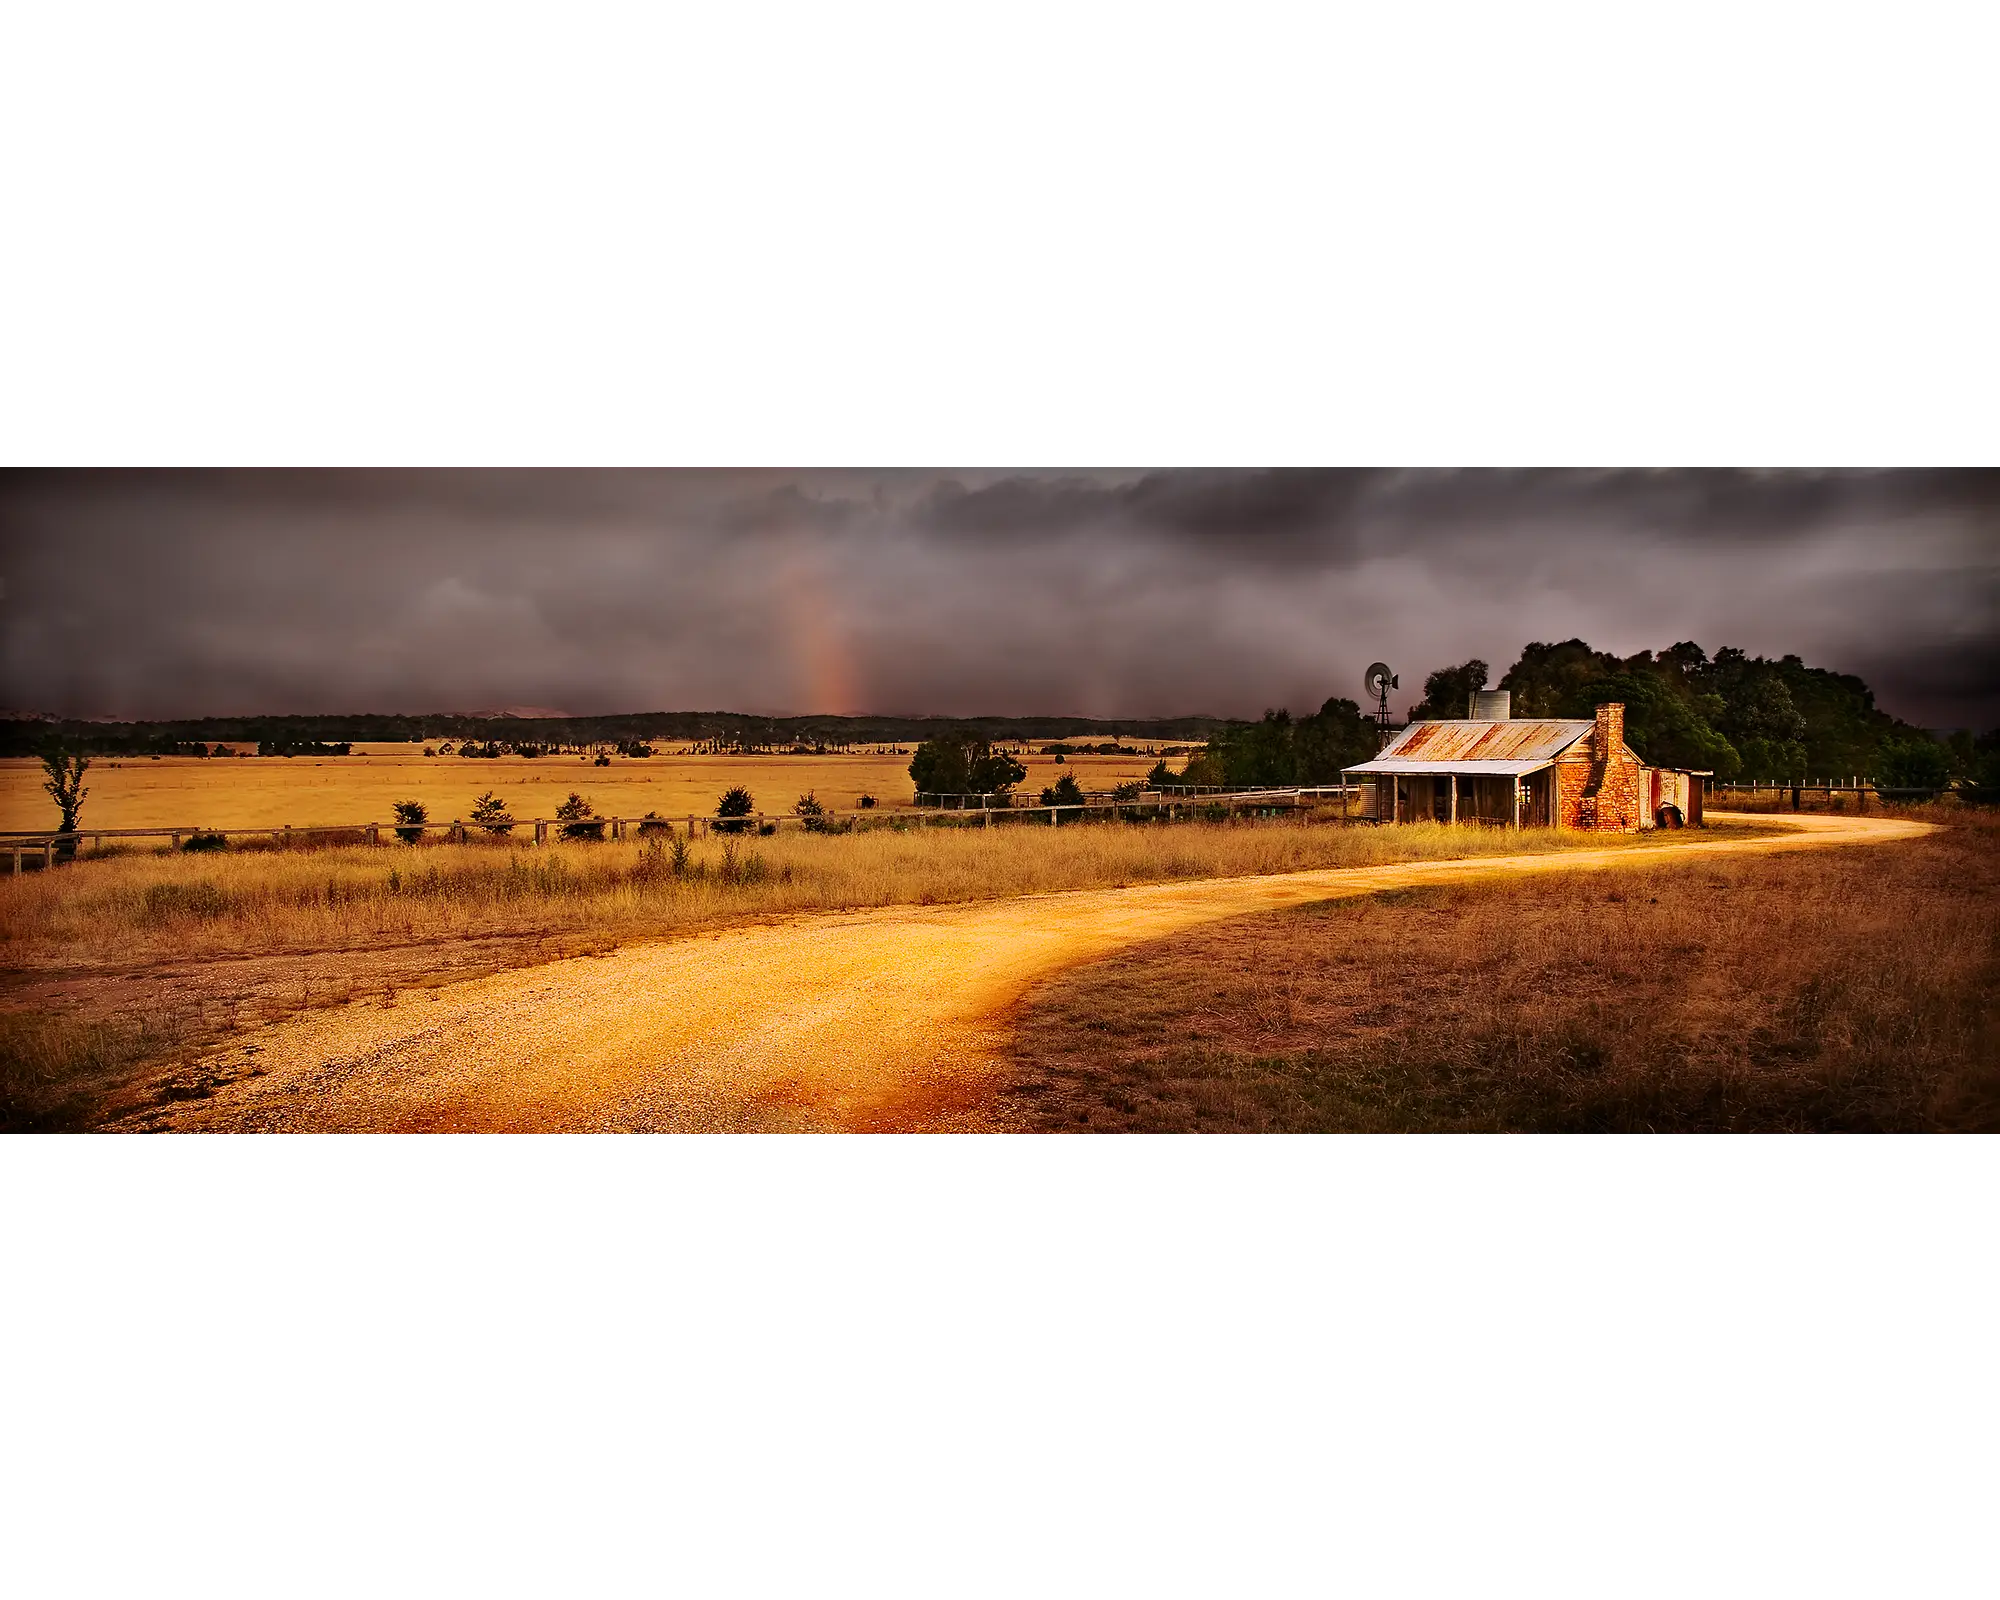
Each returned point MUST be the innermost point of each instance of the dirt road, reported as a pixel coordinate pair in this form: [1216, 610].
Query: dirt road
[881, 1020]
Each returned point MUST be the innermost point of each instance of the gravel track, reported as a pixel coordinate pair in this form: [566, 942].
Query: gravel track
[885, 1020]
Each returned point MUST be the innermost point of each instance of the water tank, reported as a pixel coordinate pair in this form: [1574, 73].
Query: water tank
[1492, 705]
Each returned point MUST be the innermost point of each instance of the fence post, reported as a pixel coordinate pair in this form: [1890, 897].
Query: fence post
[17, 861]
[48, 853]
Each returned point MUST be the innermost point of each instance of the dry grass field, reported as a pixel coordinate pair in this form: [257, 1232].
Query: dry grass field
[116, 962]
[1839, 989]
[305, 791]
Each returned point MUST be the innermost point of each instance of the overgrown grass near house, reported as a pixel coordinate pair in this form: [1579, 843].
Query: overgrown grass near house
[1824, 990]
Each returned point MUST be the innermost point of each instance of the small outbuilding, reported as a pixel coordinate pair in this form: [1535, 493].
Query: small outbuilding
[1534, 773]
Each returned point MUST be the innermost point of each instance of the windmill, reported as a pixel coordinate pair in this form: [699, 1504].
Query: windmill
[1380, 681]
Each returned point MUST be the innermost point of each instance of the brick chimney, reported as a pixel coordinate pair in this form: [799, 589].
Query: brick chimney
[1609, 733]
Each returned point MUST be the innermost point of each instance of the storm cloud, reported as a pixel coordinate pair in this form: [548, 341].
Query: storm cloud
[1112, 593]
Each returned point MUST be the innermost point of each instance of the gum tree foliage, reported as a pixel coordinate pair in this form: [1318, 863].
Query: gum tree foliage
[963, 763]
[1981, 783]
[63, 783]
[1278, 751]
[1913, 763]
[1735, 714]
[1448, 690]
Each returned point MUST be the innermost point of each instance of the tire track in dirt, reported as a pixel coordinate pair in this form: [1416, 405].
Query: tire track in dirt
[884, 1020]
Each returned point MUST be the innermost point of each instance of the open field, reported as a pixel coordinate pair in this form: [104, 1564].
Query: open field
[1853, 989]
[799, 1023]
[305, 791]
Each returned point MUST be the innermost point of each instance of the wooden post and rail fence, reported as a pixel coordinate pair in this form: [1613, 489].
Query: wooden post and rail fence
[1151, 805]
[1799, 790]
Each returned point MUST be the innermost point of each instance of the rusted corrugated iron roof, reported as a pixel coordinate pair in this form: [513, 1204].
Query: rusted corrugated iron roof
[1516, 746]
[1463, 769]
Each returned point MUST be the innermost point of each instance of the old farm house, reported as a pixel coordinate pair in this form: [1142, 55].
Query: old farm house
[1531, 773]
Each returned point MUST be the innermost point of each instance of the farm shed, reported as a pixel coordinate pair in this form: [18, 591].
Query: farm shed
[1530, 773]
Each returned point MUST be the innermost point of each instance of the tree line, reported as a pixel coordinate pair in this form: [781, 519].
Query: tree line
[1733, 714]
[722, 731]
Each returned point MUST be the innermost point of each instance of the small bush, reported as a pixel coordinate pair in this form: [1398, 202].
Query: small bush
[578, 817]
[491, 813]
[741, 869]
[202, 843]
[1066, 791]
[411, 813]
[733, 809]
[652, 822]
[816, 817]
[866, 802]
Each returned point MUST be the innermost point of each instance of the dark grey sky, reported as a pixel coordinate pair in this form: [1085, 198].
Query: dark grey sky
[1095, 593]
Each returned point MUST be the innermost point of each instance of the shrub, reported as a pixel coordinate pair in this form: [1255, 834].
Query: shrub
[411, 813]
[815, 816]
[576, 814]
[866, 802]
[202, 842]
[653, 822]
[1066, 791]
[732, 809]
[491, 813]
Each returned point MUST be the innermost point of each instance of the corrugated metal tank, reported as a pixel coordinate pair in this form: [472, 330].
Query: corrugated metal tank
[1493, 705]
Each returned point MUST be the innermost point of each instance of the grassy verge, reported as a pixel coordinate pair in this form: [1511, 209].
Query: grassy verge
[1839, 989]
